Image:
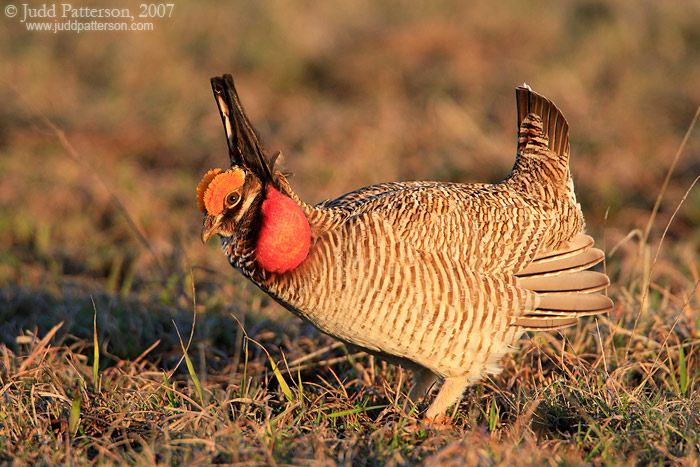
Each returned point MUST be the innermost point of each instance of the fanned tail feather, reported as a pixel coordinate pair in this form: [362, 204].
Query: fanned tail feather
[579, 243]
[564, 287]
[578, 262]
[580, 281]
[573, 304]
[545, 324]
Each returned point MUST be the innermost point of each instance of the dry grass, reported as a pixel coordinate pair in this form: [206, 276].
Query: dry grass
[104, 222]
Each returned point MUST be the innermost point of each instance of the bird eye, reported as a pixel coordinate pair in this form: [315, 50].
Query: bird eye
[232, 199]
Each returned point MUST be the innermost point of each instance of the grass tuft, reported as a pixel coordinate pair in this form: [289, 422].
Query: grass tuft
[190, 368]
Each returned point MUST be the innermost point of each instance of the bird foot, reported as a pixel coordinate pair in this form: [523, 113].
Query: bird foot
[437, 421]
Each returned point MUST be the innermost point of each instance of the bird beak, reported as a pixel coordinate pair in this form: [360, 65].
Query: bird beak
[210, 227]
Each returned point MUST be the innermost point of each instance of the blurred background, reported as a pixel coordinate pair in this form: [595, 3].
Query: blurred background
[352, 93]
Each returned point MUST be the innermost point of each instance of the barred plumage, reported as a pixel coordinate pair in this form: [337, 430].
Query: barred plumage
[440, 277]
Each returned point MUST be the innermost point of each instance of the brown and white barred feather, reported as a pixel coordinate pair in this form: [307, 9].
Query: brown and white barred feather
[444, 277]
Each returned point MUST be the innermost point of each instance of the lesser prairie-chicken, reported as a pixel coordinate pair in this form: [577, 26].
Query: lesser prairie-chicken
[441, 278]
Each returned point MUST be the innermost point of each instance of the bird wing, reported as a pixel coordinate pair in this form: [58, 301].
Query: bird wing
[355, 199]
[484, 227]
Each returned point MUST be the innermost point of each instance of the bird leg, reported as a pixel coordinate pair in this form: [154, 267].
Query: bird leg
[450, 392]
[423, 379]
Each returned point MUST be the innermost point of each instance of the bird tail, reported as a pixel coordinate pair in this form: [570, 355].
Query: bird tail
[564, 287]
[542, 162]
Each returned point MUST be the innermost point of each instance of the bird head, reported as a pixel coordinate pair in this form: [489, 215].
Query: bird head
[250, 202]
[227, 198]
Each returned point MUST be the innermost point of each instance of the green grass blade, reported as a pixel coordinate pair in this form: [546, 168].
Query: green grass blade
[74, 417]
[193, 375]
[244, 382]
[493, 415]
[169, 394]
[278, 375]
[301, 387]
[96, 351]
[343, 413]
[280, 379]
[683, 371]
[190, 369]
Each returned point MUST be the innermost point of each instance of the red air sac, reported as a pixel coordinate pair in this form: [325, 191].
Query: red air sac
[285, 237]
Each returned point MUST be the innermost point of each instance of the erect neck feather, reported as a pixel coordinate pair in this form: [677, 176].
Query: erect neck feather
[285, 236]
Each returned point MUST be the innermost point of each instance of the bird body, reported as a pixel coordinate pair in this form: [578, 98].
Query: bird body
[439, 277]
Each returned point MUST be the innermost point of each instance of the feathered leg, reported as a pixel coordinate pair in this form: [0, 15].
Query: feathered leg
[450, 392]
[423, 379]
